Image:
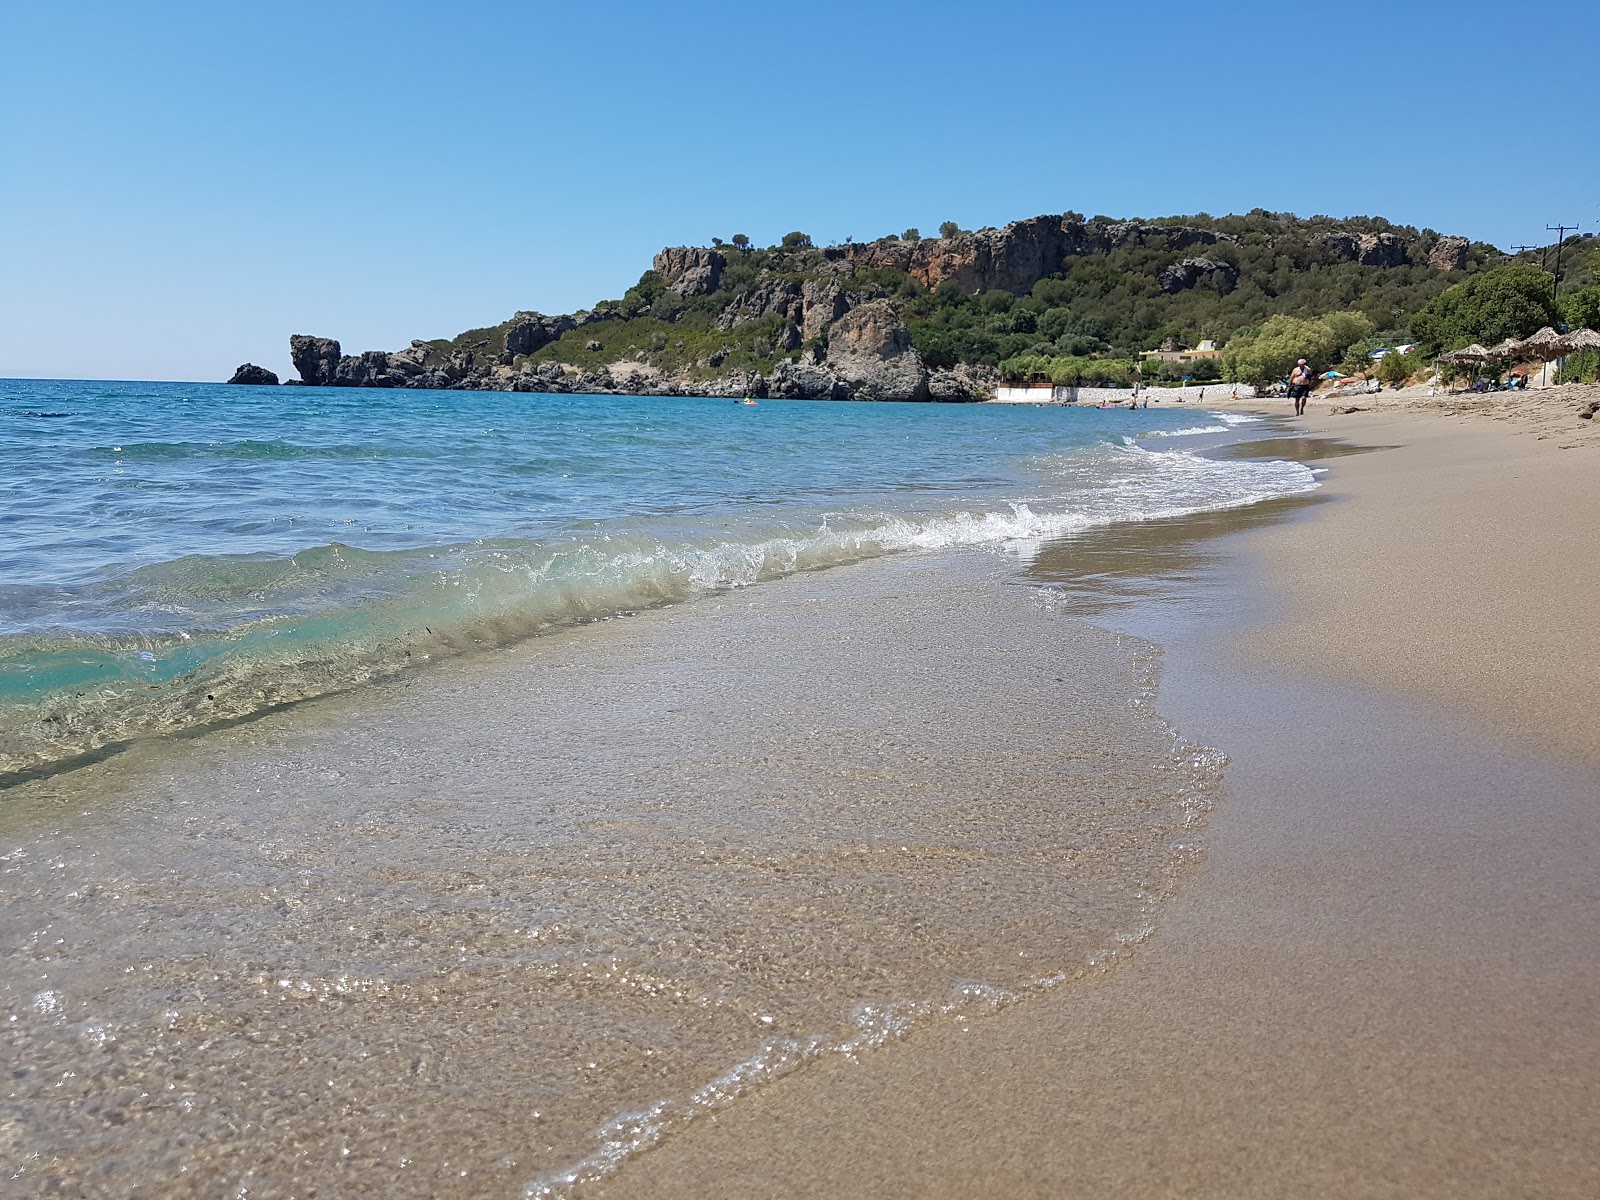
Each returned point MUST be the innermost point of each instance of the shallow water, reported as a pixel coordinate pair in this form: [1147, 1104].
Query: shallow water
[495, 928]
[176, 555]
[493, 931]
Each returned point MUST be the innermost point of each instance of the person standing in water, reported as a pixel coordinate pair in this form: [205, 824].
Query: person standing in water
[1300, 387]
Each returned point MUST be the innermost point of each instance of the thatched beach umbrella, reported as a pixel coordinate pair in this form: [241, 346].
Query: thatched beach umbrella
[1506, 349]
[1545, 345]
[1467, 354]
[1579, 339]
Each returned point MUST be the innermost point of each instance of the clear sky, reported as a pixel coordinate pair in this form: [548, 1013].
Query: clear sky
[184, 185]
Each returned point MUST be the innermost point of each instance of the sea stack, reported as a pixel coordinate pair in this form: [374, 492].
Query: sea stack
[252, 374]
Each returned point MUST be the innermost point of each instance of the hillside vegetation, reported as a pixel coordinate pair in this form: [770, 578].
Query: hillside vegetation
[1059, 297]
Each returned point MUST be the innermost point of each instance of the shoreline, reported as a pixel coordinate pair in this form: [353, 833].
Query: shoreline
[649, 863]
[1295, 955]
[1380, 982]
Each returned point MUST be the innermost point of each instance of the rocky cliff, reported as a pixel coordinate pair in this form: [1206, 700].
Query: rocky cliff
[1015, 258]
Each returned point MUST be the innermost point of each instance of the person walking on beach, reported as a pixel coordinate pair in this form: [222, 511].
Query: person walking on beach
[1300, 387]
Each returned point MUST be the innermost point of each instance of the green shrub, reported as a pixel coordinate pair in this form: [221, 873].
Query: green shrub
[1580, 367]
[1506, 302]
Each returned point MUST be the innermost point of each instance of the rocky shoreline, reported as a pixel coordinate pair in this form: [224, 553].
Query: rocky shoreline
[868, 356]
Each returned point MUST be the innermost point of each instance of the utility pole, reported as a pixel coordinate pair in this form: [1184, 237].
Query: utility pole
[1561, 235]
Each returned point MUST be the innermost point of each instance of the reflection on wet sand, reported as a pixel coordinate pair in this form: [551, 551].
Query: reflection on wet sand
[1111, 569]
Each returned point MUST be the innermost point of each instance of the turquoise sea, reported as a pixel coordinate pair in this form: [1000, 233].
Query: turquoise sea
[176, 554]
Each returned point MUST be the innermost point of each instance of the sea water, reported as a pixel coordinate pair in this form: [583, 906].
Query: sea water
[174, 555]
[496, 924]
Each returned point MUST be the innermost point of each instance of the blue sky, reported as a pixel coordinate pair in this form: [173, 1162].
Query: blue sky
[186, 184]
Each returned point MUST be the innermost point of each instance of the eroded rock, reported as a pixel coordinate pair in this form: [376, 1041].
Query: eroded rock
[249, 373]
[315, 358]
[870, 351]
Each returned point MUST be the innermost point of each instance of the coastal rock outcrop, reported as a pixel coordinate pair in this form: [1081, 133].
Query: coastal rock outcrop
[870, 352]
[821, 321]
[249, 373]
[1192, 271]
[1449, 254]
[768, 296]
[370, 368]
[315, 358]
[824, 302]
[690, 270]
[806, 381]
[532, 331]
[963, 383]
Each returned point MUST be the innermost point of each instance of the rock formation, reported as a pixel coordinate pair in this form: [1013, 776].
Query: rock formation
[870, 352]
[1192, 271]
[1368, 249]
[822, 322]
[690, 270]
[1449, 254]
[317, 359]
[252, 374]
[1015, 258]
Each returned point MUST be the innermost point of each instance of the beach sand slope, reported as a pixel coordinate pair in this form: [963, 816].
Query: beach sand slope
[1382, 982]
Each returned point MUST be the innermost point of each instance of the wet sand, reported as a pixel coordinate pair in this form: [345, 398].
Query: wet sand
[1382, 982]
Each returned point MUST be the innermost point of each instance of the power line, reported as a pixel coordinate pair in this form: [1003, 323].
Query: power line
[1561, 236]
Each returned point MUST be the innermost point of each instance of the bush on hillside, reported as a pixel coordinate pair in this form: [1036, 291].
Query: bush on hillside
[1504, 302]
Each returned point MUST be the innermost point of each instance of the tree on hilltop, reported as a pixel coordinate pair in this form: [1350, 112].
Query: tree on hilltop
[949, 229]
[796, 240]
[911, 235]
[742, 241]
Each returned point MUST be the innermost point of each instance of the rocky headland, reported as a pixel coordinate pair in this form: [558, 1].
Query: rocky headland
[902, 318]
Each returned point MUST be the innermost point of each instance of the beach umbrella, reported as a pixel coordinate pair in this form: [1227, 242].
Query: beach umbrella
[1579, 339]
[1467, 354]
[1539, 344]
[1545, 345]
[1506, 349]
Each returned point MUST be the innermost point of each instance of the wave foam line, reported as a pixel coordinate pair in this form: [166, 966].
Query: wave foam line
[266, 632]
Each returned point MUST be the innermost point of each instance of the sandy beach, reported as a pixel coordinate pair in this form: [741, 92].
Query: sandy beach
[1382, 981]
